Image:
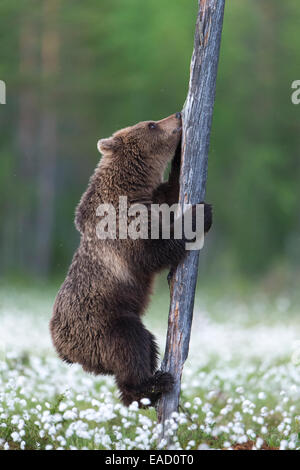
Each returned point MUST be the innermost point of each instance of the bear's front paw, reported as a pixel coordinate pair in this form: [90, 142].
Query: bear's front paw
[207, 217]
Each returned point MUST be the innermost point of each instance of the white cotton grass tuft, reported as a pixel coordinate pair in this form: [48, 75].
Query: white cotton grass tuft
[234, 394]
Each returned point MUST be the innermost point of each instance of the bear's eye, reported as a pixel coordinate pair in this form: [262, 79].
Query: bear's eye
[152, 125]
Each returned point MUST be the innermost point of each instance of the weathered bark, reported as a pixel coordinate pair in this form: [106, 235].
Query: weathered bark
[197, 119]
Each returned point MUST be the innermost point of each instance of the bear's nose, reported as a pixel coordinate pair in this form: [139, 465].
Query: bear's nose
[178, 115]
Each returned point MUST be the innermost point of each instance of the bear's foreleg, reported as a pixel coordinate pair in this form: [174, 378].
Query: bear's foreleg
[168, 192]
[165, 252]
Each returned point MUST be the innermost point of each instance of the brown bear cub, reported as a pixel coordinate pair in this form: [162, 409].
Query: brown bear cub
[97, 313]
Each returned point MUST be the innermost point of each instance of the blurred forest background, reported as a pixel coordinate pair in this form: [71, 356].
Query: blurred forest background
[77, 71]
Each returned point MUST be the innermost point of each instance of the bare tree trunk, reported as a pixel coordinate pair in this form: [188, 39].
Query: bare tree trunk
[197, 119]
[48, 139]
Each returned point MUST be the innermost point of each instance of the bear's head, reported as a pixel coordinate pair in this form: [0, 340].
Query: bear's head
[149, 143]
[133, 163]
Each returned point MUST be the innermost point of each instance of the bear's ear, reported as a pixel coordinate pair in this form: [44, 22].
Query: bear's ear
[108, 145]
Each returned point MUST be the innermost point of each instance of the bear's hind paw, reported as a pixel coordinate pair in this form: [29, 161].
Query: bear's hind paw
[163, 382]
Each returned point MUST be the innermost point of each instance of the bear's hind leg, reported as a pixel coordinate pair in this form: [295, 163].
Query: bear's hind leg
[134, 359]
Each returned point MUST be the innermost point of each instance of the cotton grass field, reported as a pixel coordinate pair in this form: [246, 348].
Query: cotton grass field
[240, 390]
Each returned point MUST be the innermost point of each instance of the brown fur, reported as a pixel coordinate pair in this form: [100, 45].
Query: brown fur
[97, 313]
